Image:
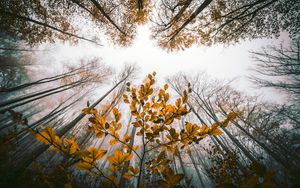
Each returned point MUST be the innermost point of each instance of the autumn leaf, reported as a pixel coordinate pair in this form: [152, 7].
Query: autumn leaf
[185, 97]
[119, 157]
[113, 142]
[72, 145]
[117, 114]
[86, 110]
[133, 170]
[216, 132]
[128, 175]
[126, 137]
[48, 137]
[84, 165]
[166, 86]
[96, 153]
[94, 111]
[170, 178]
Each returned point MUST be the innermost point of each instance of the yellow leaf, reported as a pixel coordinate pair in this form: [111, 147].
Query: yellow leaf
[48, 137]
[171, 178]
[114, 179]
[135, 148]
[86, 110]
[112, 142]
[99, 134]
[113, 168]
[231, 116]
[128, 175]
[96, 153]
[118, 126]
[101, 120]
[73, 146]
[119, 157]
[204, 129]
[84, 165]
[216, 132]
[126, 137]
[117, 114]
[178, 102]
[167, 96]
[166, 86]
[94, 111]
[133, 170]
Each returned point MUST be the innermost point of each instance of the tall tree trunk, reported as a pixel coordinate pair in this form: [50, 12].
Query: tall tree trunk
[196, 169]
[27, 160]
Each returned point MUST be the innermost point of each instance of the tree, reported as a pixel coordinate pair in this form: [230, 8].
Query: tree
[256, 132]
[46, 21]
[179, 24]
[279, 68]
[154, 117]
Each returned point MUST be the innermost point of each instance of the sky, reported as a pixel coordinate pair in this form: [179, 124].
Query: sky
[218, 61]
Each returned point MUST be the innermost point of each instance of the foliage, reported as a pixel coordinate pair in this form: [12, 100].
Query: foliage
[154, 116]
[174, 24]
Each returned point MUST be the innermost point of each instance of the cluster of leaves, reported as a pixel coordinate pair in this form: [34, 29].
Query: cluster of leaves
[174, 24]
[154, 123]
[226, 172]
[261, 177]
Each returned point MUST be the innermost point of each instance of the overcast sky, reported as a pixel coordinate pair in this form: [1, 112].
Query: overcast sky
[218, 61]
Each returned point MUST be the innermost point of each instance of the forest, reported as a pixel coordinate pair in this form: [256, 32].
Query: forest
[89, 121]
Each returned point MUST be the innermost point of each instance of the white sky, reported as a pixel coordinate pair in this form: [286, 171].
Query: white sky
[218, 61]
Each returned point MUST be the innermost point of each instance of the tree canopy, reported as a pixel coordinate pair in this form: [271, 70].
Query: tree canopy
[174, 24]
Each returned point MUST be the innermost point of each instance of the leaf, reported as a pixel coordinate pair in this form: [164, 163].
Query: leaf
[231, 116]
[117, 114]
[119, 157]
[100, 134]
[118, 126]
[185, 97]
[113, 142]
[101, 120]
[86, 110]
[166, 86]
[216, 132]
[114, 179]
[94, 111]
[48, 137]
[178, 102]
[135, 148]
[82, 153]
[126, 137]
[84, 165]
[204, 129]
[96, 153]
[113, 168]
[171, 179]
[73, 146]
[133, 170]
[128, 175]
